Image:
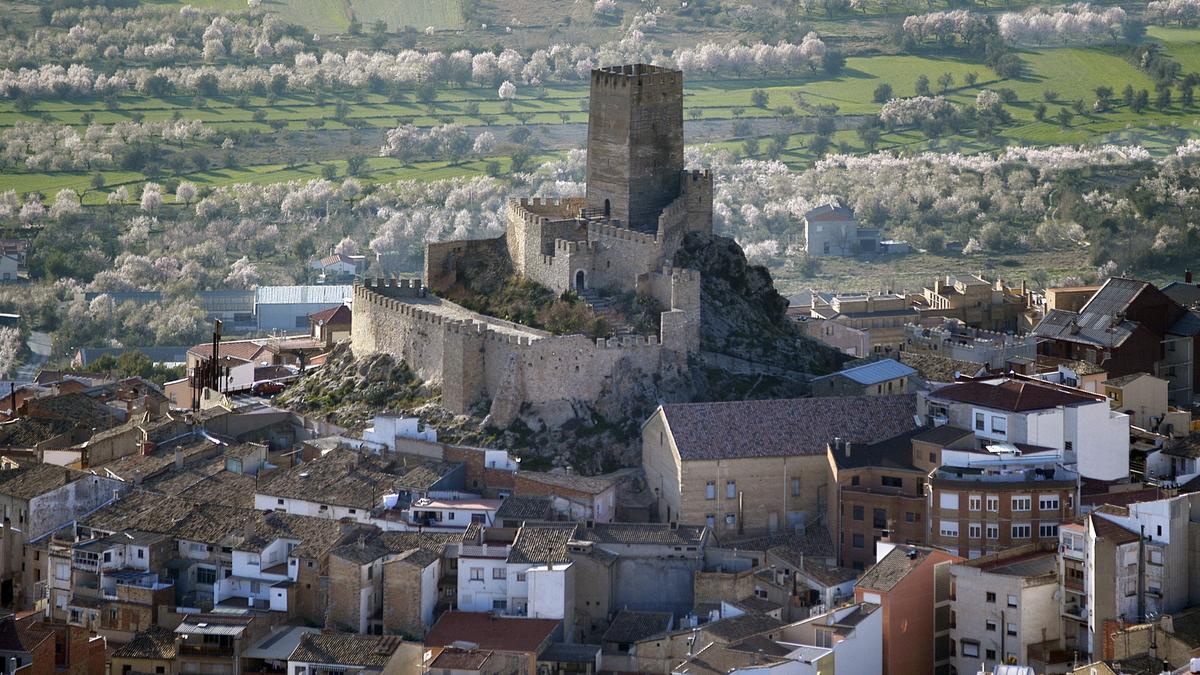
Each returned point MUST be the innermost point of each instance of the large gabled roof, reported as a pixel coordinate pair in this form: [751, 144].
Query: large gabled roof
[784, 427]
[346, 649]
[510, 634]
[1014, 394]
[893, 568]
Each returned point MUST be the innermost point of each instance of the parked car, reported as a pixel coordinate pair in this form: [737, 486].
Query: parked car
[268, 388]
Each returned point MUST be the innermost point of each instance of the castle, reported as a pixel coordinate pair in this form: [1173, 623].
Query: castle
[619, 238]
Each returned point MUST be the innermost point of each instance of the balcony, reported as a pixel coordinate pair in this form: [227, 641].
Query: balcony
[1075, 585]
[1075, 611]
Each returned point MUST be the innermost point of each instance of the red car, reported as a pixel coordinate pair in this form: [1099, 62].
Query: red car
[268, 388]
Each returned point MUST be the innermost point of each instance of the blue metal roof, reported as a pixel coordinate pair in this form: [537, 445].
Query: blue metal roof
[877, 371]
[303, 295]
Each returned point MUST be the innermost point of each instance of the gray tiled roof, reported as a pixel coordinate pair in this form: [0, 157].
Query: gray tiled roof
[740, 627]
[345, 649]
[773, 428]
[643, 533]
[30, 481]
[153, 643]
[525, 507]
[631, 626]
[541, 544]
[885, 574]
[352, 479]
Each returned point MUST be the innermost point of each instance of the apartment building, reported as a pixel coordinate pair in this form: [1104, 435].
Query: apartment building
[1004, 605]
[981, 502]
[1025, 411]
[882, 316]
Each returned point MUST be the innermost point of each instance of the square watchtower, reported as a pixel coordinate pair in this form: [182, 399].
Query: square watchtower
[635, 143]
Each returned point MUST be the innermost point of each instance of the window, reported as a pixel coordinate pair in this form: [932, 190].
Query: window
[730, 520]
[892, 481]
[279, 502]
[993, 503]
[853, 480]
[858, 541]
[370, 573]
[141, 553]
[710, 520]
[933, 458]
[1047, 531]
[710, 490]
[999, 425]
[990, 596]
[1069, 446]
[520, 576]
[990, 625]
[858, 512]
[910, 517]
[949, 528]
[975, 503]
[206, 575]
[449, 515]
[1020, 531]
[730, 489]
[1012, 629]
[476, 574]
[1012, 601]
[62, 572]
[970, 649]
[948, 500]
[991, 654]
[879, 518]
[499, 604]
[974, 531]
[498, 573]
[979, 426]
[1021, 503]
[1156, 557]
[795, 487]
[1048, 503]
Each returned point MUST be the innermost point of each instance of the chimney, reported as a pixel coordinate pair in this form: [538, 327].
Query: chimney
[147, 448]
[846, 446]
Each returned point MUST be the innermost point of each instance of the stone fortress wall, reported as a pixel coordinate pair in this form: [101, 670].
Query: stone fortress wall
[479, 359]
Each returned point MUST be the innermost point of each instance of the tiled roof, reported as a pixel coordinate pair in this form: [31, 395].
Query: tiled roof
[1125, 379]
[15, 637]
[589, 484]
[370, 547]
[1111, 531]
[753, 603]
[629, 626]
[773, 428]
[891, 453]
[346, 649]
[1183, 293]
[885, 574]
[510, 634]
[451, 659]
[1101, 320]
[25, 432]
[942, 435]
[874, 372]
[30, 481]
[525, 507]
[352, 479]
[153, 643]
[1081, 368]
[334, 315]
[830, 575]
[935, 368]
[814, 541]
[223, 487]
[1013, 394]
[193, 451]
[247, 350]
[541, 544]
[643, 533]
[1187, 325]
[741, 627]
[76, 407]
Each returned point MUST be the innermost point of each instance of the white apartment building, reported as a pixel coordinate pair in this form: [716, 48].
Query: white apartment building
[531, 577]
[1026, 411]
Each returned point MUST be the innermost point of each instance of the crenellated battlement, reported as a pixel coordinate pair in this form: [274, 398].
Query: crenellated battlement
[627, 342]
[545, 209]
[636, 74]
[571, 247]
[395, 288]
[696, 176]
[606, 231]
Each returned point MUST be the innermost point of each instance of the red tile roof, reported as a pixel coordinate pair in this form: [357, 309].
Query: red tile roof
[509, 634]
[247, 350]
[334, 315]
[1013, 395]
[1107, 529]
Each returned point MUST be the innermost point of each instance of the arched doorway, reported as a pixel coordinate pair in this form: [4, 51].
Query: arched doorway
[580, 281]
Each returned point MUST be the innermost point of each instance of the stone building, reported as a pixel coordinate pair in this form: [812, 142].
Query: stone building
[833, 230]
[619, 239]
[748, 466]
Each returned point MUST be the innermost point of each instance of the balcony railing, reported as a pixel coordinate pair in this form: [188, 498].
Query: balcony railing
[1075, 611]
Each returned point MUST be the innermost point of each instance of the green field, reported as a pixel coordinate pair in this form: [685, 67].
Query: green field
[333, 16]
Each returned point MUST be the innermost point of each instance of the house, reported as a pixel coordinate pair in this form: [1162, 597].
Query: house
[977, 302]
[150, 651]
[1144, 398]
[875, 493]
[630, 627]
[338, 267]
[288, 307]
[524, 638]
[534, 576]
[877, 378]
[572, 496]
[911, 584]
[1128, 326]
[1005, 605]
[214, 642]
[26, 647]
[724, 464]
[985, 501]
[36, 500]
[515, 510]
[635, 575]
[1017, 409]
[327, 653]
[470, 661]
[330, 326]
[881, 315]
[662, 653]
[846, 339]
[833, 230]
[10, 268]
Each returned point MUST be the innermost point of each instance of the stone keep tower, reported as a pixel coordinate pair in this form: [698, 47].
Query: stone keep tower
[635, 143]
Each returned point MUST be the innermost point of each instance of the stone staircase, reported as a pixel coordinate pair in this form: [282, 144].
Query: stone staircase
[605, 307]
